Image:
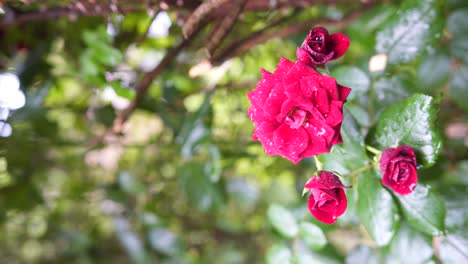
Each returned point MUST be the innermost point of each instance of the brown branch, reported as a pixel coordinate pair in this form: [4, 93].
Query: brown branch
[261, 36]
[146, 81]
[72, 11]
[199, 15]
[224, 27]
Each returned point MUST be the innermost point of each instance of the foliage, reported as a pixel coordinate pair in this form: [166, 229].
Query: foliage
[182, 181]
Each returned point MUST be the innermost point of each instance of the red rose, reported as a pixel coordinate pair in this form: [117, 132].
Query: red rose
[398, 166]
[327, 200]
[297, 112]
[319, 47]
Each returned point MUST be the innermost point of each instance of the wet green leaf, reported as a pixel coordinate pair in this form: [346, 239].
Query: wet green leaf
[410, 246]
[458, 89]
[410, 32]
[278, 254]
[376, 209]
[433, 73]
[424, 210]
[282, 220]
[312, 235]
[412, 122]
[453, 247]
[354, 78]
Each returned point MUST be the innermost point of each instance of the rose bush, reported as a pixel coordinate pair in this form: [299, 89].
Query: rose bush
[319, 47]
[398, 166]
[297, 112]
[327, 200]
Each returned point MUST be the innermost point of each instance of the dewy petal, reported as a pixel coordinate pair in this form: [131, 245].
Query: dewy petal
[293, 90]
[290, 142]
[309, 86]
[283, 67]
[297, 72]
[329, 83]
[344, 92]
[342, 202]
[256, 115]
[274, 102]
[385, 158]
[264, 134]
[303, 56]
[335, 115]
[322, 216]
[259, 95]
[339, 43]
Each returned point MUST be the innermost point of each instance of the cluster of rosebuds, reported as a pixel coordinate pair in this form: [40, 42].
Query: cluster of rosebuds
[297, 113]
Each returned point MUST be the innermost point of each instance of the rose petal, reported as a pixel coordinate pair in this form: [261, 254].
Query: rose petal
[344, 92]
[335, 115]
[256, 115]
[322, 216]
[259, 95]
[330, 85]
[264, 133]
[290, 142]
[274, 102]
[339, 43]
[309, 86]
[283, 67]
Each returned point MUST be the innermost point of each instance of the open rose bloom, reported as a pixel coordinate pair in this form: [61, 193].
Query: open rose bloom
[297, 112]
[327, 200]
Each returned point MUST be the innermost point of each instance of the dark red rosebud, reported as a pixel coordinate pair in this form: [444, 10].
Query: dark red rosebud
[327, 200]
[398, 166]
[319, 47]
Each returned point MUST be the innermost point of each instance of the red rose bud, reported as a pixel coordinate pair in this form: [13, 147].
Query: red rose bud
[398, 166]
[297, 112]
[327, 200]
[319, 47]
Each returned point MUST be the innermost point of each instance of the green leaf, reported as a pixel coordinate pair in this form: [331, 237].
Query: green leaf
[424, 210]
[458, 90]
[433, 72]
[409, 246]
[123, 91]
[390, 89]
[164, 241]
[453, 247]
[282, 221]
[456, 25]
[410, 32]
[359, 113]
[363, 254]
[194, 129]
[200, 190]
[376, 209]
[455, 198]
[349, 155]
[278, 254]
[312, 235]
[304, 255]
[354, 78]
[412, 122]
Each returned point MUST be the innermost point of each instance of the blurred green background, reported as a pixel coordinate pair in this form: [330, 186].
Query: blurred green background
[181, 181]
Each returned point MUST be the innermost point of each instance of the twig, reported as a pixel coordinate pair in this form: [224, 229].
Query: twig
[224, 27]
[146, 81]
[243, 45]
[71, 11]
[199, 15]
